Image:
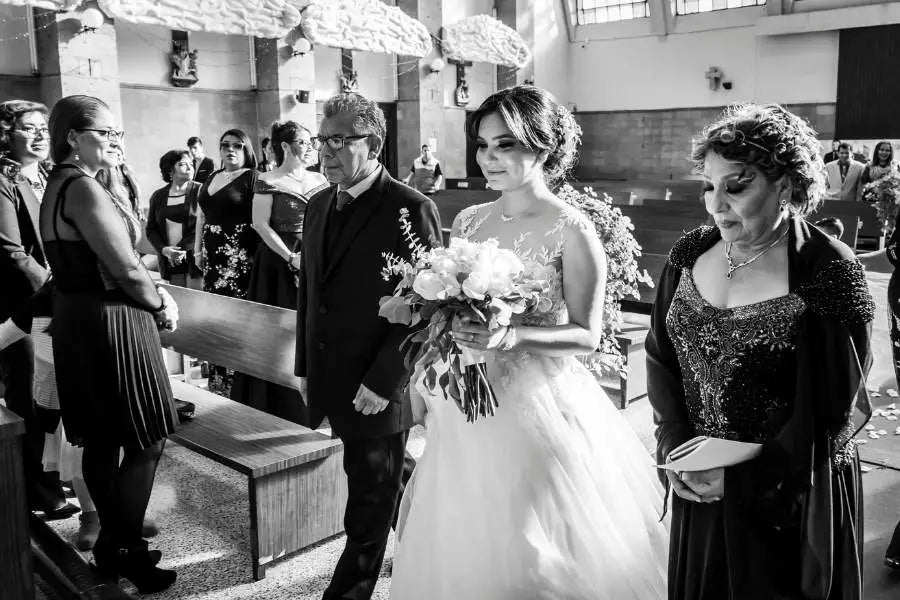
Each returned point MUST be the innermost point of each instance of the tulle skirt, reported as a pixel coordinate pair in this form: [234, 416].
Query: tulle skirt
[553, 497]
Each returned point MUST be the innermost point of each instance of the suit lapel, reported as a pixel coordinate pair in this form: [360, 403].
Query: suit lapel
[314, 231]
[368, 203]
[33, 208]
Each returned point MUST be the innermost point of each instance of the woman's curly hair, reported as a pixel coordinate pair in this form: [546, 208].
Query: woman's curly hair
[773, 139]
[538, 122]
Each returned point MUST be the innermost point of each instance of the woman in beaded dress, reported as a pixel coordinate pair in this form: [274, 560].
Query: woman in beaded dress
[760, 333]
[226, 242]
[553, 496]
[279, 205]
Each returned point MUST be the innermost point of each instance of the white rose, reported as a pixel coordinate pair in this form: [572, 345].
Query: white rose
[445, 265]
[506, 264]
[475, 285]
[428, 285]
[451, 286]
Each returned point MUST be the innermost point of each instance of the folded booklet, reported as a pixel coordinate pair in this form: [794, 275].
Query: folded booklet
[702, 453]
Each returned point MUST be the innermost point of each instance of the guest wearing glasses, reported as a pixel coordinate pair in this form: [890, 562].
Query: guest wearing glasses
[172, 220]
[278, 208]
[225, 249]
[24, 145]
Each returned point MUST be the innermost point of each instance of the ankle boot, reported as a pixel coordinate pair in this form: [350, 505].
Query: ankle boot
[88, 531]
[137, 566]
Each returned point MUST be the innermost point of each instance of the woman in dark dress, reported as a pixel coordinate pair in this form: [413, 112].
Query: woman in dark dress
[113, 387]
[760, 333]
[278, 208]
[172, 220]
[227, 242]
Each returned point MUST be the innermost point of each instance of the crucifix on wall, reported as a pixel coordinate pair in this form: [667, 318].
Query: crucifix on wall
[462, 88]
[714, 76]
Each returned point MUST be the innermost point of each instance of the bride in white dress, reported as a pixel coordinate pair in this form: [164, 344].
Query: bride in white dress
[553, 497]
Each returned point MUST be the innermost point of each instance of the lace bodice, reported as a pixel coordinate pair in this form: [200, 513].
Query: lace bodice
[540, 252]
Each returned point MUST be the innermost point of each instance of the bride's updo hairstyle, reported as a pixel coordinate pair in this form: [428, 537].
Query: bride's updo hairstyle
[774, 140]
[538, 122]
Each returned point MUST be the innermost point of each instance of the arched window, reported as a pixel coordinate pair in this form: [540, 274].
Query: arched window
[690, 7]
[588, 12]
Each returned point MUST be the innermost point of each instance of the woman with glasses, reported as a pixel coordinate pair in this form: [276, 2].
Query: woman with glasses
[225, 249]
[112, 382]
[24, 145]
[172, 220]
[278, 208]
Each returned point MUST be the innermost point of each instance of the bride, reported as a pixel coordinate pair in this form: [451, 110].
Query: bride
[553, 497]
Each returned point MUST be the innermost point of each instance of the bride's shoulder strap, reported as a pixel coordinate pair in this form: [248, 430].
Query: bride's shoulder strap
[469, 219]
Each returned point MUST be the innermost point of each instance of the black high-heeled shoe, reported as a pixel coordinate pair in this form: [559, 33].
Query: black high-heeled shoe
[137, 565]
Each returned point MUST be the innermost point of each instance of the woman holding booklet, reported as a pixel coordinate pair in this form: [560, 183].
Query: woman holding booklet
[760, 335]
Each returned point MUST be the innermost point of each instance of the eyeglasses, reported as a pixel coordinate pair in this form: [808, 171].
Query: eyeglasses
[107, 134]
[32, 131]
[231, 146]
[336, 142]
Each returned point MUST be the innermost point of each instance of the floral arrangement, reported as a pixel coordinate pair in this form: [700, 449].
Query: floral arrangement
[468, 279]
[884, 194]
[623, 275]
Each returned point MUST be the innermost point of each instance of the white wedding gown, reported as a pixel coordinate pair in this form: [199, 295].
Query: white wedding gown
[553, 497]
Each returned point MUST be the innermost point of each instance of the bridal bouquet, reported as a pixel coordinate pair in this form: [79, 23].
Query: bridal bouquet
[884, 194]
[479, 280]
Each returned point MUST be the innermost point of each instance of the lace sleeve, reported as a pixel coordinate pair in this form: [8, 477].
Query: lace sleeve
[468, 221]
[840, 290]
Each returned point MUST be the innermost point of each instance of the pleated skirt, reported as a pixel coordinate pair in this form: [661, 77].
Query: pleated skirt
[112, 381]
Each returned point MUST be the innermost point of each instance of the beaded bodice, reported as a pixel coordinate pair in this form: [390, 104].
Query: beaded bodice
[541, 252]
[738, 364]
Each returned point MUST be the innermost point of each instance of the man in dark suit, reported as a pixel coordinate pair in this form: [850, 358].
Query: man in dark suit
[24, 144]
[203, 165]
[833, 155]
[348, 358]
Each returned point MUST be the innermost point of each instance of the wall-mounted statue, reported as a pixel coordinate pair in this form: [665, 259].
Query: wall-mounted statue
[349, 82]
[184, 64]
[462, 93]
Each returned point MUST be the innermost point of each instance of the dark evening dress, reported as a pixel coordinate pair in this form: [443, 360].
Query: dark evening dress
[786, 373]
[272, 282]
[893, 254]
[229, 247]
[113, 384]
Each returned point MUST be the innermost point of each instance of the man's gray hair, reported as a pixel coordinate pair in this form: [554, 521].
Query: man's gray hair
[368, 117]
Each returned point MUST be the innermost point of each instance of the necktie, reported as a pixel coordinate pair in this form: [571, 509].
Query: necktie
[344, 198]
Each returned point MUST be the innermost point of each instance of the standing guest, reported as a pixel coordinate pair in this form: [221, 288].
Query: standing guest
[24, 145]
[760, 333]
[278, 208]
[226, 245]
[833, 155]
[882, 163]
[172, 220]
[861, 156]
[113, 387]
[425, 175]
[347, 228]
[203, 165]
[269, 162]
[843, 177]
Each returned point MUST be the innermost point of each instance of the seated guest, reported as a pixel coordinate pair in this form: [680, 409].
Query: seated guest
[203, 165]
[760, 333]
[279, 205]
[24, 145]
[843, 177]
[112, 381]
[172, 220]
[832, 226]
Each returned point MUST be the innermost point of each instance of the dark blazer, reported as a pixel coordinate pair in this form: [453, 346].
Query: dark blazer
[341, 340]
[204, 169]
[157, 230]
[23, 267]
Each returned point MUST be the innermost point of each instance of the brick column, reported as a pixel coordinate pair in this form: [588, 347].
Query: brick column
[420, 93]
[75, 62]
[280, 76]
[517, 15]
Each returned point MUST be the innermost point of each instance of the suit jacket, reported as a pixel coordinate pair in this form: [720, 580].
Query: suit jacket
[157, 229]
[848, 190]
[23, 267]
[204, 169]
[341, 340]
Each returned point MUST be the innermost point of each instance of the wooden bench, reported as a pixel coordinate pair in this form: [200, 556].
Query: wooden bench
[15, 547]
[296, 484]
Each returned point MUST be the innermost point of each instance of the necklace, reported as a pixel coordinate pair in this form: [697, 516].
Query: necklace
[734, 267]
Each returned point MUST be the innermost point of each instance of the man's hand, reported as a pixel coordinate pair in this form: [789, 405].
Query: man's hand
[368, 402]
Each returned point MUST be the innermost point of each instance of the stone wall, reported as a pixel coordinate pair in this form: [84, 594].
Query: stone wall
[655, 144]
[157, 119]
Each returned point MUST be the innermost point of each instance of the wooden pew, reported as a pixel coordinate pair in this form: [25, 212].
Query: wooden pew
[296, 484]
[16, 572]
